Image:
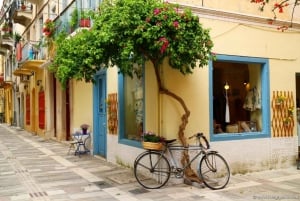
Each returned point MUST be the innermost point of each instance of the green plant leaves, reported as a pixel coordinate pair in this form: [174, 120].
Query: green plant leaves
[125, 32]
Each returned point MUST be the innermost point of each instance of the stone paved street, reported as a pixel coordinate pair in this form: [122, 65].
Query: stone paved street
[32, 168]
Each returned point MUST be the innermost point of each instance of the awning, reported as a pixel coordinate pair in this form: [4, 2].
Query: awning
[27, 67]
[19, 72]
[33, 65]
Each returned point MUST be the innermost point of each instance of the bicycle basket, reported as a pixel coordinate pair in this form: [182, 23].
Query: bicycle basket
[152, 145]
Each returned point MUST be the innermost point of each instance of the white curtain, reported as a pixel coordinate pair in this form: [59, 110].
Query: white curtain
[227, 113]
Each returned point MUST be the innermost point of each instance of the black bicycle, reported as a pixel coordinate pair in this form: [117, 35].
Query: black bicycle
[152, 168]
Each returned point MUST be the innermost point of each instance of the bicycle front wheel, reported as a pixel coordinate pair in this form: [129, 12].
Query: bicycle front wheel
[214, 171]
[152, 170]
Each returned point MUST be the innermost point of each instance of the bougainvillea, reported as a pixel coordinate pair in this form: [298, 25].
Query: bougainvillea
[278, 7]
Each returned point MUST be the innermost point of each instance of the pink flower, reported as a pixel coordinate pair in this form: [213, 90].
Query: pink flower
[176, 24]
[164, 45]
[156, 11]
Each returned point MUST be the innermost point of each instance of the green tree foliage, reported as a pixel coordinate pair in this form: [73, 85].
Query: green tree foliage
[125, 32]
[128, 32]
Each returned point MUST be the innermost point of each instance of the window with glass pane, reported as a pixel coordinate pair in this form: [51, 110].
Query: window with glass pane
[237, 97]
[133, 107]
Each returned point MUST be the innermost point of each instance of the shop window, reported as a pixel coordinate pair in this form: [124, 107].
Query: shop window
[240, 87]
[131, 107]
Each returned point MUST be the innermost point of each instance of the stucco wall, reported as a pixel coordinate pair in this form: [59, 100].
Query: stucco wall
[258, 154]
[245, 7]
[229, 39]
[82, 104]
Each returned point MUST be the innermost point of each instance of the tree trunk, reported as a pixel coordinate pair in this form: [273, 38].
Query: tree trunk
[189, 172]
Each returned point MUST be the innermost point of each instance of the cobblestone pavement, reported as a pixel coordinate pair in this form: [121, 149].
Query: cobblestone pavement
[32, 168]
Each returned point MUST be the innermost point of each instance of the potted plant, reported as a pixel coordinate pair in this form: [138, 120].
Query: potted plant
[85, 18]
[152, 141]
[5, 27]
[17, 37]
[49, 28]
[74, 19]
[23, 6]
[84, 128]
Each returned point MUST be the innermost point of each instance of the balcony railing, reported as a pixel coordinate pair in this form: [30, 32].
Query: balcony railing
[23, 5]
[30, 51]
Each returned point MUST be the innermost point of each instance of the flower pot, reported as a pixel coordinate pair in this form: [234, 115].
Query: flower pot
[47, 33]
[85, 23]
[152, 145]
[84, 130]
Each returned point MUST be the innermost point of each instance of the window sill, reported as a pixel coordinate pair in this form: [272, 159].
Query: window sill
[238, 136]
[132, 143]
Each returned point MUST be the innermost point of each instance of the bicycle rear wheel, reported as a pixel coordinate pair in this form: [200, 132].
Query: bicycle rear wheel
[214, 171]
[152, 170]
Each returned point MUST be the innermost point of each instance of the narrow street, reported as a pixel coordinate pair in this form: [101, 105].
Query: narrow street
[32, 168]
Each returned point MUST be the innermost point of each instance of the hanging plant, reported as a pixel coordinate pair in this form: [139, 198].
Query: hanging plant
[6, 27]
[74, 19]
[49, 28]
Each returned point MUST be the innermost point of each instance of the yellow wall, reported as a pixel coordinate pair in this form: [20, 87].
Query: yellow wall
[244, 7]
[81, 104]
[231, 39]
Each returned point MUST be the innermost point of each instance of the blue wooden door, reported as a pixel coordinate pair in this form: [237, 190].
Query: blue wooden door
[99, 133]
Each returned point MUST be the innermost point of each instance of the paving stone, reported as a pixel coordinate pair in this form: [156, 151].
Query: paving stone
[32, 168]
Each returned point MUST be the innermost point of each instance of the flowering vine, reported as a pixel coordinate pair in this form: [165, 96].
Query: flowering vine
[278, 6]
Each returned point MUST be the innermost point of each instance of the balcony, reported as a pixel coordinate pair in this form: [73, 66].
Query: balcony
[30, 58]
[22, 12]
[29, 51]
[6, 38]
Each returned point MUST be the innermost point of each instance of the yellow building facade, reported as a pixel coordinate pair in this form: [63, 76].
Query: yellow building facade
[253, 58]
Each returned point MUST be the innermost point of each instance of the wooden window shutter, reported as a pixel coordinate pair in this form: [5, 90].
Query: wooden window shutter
[27, 109]
[42, 110]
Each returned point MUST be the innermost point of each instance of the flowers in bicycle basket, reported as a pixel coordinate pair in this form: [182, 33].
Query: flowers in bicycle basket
[84, 128]
[151, 141]
[152, 137]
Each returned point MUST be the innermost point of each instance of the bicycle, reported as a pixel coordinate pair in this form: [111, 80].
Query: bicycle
[152, 168]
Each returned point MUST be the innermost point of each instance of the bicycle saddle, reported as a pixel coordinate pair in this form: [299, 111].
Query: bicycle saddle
[170, 141]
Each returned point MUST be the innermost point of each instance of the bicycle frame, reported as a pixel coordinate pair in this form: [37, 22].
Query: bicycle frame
[158, 165]
[168, 151]
[173, 161]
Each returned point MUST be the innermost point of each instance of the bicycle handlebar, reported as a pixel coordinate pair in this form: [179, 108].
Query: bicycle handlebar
[199, 136]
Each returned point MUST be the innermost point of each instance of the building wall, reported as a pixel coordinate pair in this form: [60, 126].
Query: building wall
[230, 39]
[81, 104]
[245, 7]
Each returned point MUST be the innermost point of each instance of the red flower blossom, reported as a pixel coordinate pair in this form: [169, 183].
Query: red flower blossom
[176, 24]
[45, 29]
[164, 45]
[156, 11]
